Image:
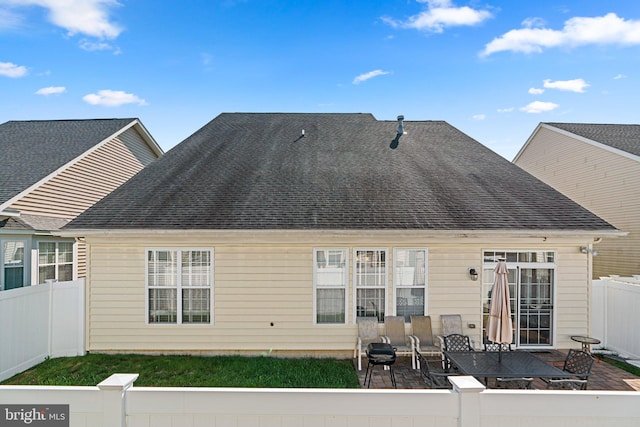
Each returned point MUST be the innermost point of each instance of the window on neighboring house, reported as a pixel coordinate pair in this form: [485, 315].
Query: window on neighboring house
[410, 282]
[180, 285]
[55, 261]
[370, 282]
[531, 278]
[13, 264]
[330, 282]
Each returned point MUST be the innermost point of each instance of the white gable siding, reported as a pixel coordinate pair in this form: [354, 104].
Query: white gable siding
[604, 182]
[258, 284]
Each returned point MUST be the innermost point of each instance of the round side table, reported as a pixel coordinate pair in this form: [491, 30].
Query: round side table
[586, 342]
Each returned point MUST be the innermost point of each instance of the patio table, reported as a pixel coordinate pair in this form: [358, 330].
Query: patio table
[586, 342]
[514, 364]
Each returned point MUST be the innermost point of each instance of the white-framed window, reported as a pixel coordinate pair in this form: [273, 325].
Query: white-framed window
[410, 282]
[531, 278]
[55, 261]
[12, 263]
[330, 280]
[180, 286]
[370, 279]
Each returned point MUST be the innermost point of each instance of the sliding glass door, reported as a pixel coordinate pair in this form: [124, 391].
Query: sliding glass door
[531, 287]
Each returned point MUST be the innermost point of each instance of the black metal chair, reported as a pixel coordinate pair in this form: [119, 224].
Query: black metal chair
[514, 383]
[455, 343]
[494, 346]
[579, 364]
[432, 373]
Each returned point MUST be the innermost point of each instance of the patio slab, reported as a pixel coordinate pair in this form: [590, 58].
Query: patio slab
[603, 376]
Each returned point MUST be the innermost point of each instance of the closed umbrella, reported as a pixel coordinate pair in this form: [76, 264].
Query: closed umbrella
[500, 327]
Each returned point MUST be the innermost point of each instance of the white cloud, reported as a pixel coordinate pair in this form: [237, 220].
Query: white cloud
[51, 90]
[89, 17]
[576, 85]
[91, 46]
[619, 76]
[439, 15]
[505, 110]
[539, 107]
[112, 98]
[9, 19]
[371, 74]
[479, 116]
[580, 31]
[536, 91]
[9, 69]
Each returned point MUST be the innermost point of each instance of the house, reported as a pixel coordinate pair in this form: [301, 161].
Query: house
[51, 171]
[275, 231]
[597, 166]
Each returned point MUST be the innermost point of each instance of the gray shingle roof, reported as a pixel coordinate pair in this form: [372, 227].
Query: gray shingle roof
[622, 137]
[31, 150]
[254, 171]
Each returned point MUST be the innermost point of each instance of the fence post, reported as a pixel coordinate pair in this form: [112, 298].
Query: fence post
[114, 390]
[468, 389]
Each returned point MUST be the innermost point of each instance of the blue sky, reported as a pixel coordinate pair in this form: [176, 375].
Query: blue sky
[493, 69]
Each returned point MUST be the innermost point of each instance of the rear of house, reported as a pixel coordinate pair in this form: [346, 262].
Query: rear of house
[274, 232]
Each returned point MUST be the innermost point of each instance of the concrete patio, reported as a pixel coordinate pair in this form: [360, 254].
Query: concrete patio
[603, 375]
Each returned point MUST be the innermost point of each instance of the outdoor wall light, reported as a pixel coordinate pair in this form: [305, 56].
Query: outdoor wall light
[473, 274]
[587, 250]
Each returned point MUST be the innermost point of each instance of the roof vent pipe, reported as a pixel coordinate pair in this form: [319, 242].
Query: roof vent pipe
[400, 125]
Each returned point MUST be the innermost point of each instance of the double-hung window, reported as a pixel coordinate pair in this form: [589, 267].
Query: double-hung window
[12, 258]
[410, 282]
[55, 261]
[370, 278]
[330, 281]
[180, 286]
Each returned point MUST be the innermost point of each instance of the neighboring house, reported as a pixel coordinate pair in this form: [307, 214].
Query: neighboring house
[51, 171]
[276, 231]
[597, 166]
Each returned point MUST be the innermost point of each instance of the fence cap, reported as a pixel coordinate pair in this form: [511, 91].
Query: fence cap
[118, 382]
[466, 384]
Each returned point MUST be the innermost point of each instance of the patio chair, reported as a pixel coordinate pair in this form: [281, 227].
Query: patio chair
[394, 334]
[432, 373]
[455, 342]
[422, 338]
[367, 333]
[522, 383]
[579, 364]
[566, 384]
[494, 346]
[451, 324]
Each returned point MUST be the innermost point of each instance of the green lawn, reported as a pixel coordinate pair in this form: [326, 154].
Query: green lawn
[193, 371]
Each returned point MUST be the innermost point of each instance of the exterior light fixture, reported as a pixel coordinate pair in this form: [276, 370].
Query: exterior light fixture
[473, 274]
[587, 250]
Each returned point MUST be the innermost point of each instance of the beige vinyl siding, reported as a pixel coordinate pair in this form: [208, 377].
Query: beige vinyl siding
[602, 181]
[86, 182]
[263, 293]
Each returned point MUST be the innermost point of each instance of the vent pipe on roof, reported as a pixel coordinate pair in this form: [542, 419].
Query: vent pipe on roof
[400, 126]
[396, 140]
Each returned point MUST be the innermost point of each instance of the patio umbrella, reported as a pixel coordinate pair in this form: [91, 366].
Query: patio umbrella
[500, 327]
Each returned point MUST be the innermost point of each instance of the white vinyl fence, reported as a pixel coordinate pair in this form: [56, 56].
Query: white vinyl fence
[40, 321]
[116, 403]
[615, 315]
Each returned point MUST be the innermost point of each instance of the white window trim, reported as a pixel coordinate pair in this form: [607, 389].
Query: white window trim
[345, 251]
[178, 287]
[397, 286]
[355, 279]
[26, 267]
[74, 262]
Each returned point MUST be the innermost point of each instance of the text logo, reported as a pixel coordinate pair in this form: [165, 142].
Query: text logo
[34, 415]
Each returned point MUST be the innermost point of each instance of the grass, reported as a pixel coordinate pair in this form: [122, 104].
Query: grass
[620, 363]
[193, 371]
